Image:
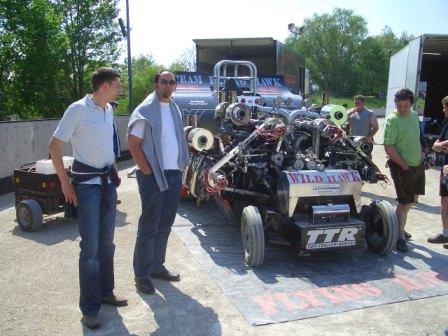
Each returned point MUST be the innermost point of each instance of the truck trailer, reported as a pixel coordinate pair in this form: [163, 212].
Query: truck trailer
[422, 67]
[271, 57]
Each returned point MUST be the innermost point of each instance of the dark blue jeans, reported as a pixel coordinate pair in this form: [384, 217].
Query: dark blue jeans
[154, 226]
[96, 228]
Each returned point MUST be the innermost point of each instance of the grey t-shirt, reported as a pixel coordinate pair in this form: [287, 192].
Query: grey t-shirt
[360, 122]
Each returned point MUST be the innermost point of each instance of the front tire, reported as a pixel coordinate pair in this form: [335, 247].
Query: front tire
[252, 234]
[381, 227]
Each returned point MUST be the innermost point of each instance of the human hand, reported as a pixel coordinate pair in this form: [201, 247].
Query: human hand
[444, 145]
[147, 171]
[351, 111]
[445, 170]
[405, 168]
[69, 193]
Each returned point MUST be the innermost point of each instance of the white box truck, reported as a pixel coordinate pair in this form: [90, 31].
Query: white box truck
[422, 66]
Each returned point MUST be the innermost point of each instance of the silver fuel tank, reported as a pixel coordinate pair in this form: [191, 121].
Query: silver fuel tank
[293, 185]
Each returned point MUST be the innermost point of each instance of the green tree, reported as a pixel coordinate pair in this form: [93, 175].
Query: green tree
[390, 42]
[331, 45]
[49, 49]
[7, 57]
[177, 66]
[31, 50]
[93, 35]
[373, 67]
[144, 70]
[186, 60]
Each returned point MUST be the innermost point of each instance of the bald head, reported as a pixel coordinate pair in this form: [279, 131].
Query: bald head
[165, 84]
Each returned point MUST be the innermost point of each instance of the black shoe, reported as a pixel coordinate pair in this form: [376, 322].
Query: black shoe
[445, 246]
[114, 301]
[407, 235]
[144, 286]
[91, 321]
[166, 275]
[438, 239]
[401, 245]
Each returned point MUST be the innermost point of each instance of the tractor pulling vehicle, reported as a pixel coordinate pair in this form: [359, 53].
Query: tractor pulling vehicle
[288, 177]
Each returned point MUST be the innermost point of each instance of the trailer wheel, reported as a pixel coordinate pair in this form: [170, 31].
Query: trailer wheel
[252, 234]
[29, 215]
[381, 226]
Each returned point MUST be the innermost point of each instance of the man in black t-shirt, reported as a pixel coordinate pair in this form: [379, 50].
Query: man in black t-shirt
[441, 145]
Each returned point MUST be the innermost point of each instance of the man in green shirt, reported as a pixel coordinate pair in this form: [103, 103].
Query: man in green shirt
[402, 145]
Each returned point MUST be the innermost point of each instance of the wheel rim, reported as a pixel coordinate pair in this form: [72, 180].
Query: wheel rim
[24, 216]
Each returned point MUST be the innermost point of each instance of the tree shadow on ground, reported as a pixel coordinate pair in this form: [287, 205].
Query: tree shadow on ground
[432, 209]
[222, 243]
[56, 229]
[53, 231]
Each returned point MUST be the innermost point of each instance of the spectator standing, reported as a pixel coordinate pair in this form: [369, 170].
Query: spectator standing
[88, 125]
[441, 145]
[402, 144]
[362, 121]
[157, 144]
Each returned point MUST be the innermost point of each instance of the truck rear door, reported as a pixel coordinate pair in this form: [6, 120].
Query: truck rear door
[404, 71]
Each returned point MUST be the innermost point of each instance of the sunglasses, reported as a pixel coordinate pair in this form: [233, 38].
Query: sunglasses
[166, 82]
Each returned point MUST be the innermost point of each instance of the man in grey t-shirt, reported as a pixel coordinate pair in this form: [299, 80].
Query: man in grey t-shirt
[362, 121]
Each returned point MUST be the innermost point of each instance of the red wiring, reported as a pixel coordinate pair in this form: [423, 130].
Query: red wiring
[220, 184]
[271, 133]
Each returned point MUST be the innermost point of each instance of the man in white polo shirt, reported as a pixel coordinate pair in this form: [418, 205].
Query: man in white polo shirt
[157, 144]
[88, 125]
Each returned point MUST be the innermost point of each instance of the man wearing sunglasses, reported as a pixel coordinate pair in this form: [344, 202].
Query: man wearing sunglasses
[157, 144]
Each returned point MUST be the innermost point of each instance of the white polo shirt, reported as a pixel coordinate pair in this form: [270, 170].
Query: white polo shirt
[89, 129]
[170, 147]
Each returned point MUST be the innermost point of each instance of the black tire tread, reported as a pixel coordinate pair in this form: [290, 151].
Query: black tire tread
[390, 227]
[35, 211]
[255, 254]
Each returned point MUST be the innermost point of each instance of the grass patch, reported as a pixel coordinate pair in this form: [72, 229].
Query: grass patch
[371, 102]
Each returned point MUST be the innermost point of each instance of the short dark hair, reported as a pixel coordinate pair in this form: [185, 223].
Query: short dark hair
[360, 97]
[405, 94]
[103, 75]
[157, 76]
[445, 101]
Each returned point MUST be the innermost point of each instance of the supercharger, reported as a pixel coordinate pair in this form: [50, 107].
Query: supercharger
[288, 177]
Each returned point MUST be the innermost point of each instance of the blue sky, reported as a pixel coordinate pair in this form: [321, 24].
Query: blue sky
[164, 29]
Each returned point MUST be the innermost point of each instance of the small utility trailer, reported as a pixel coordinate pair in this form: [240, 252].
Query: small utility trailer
[38, 194]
